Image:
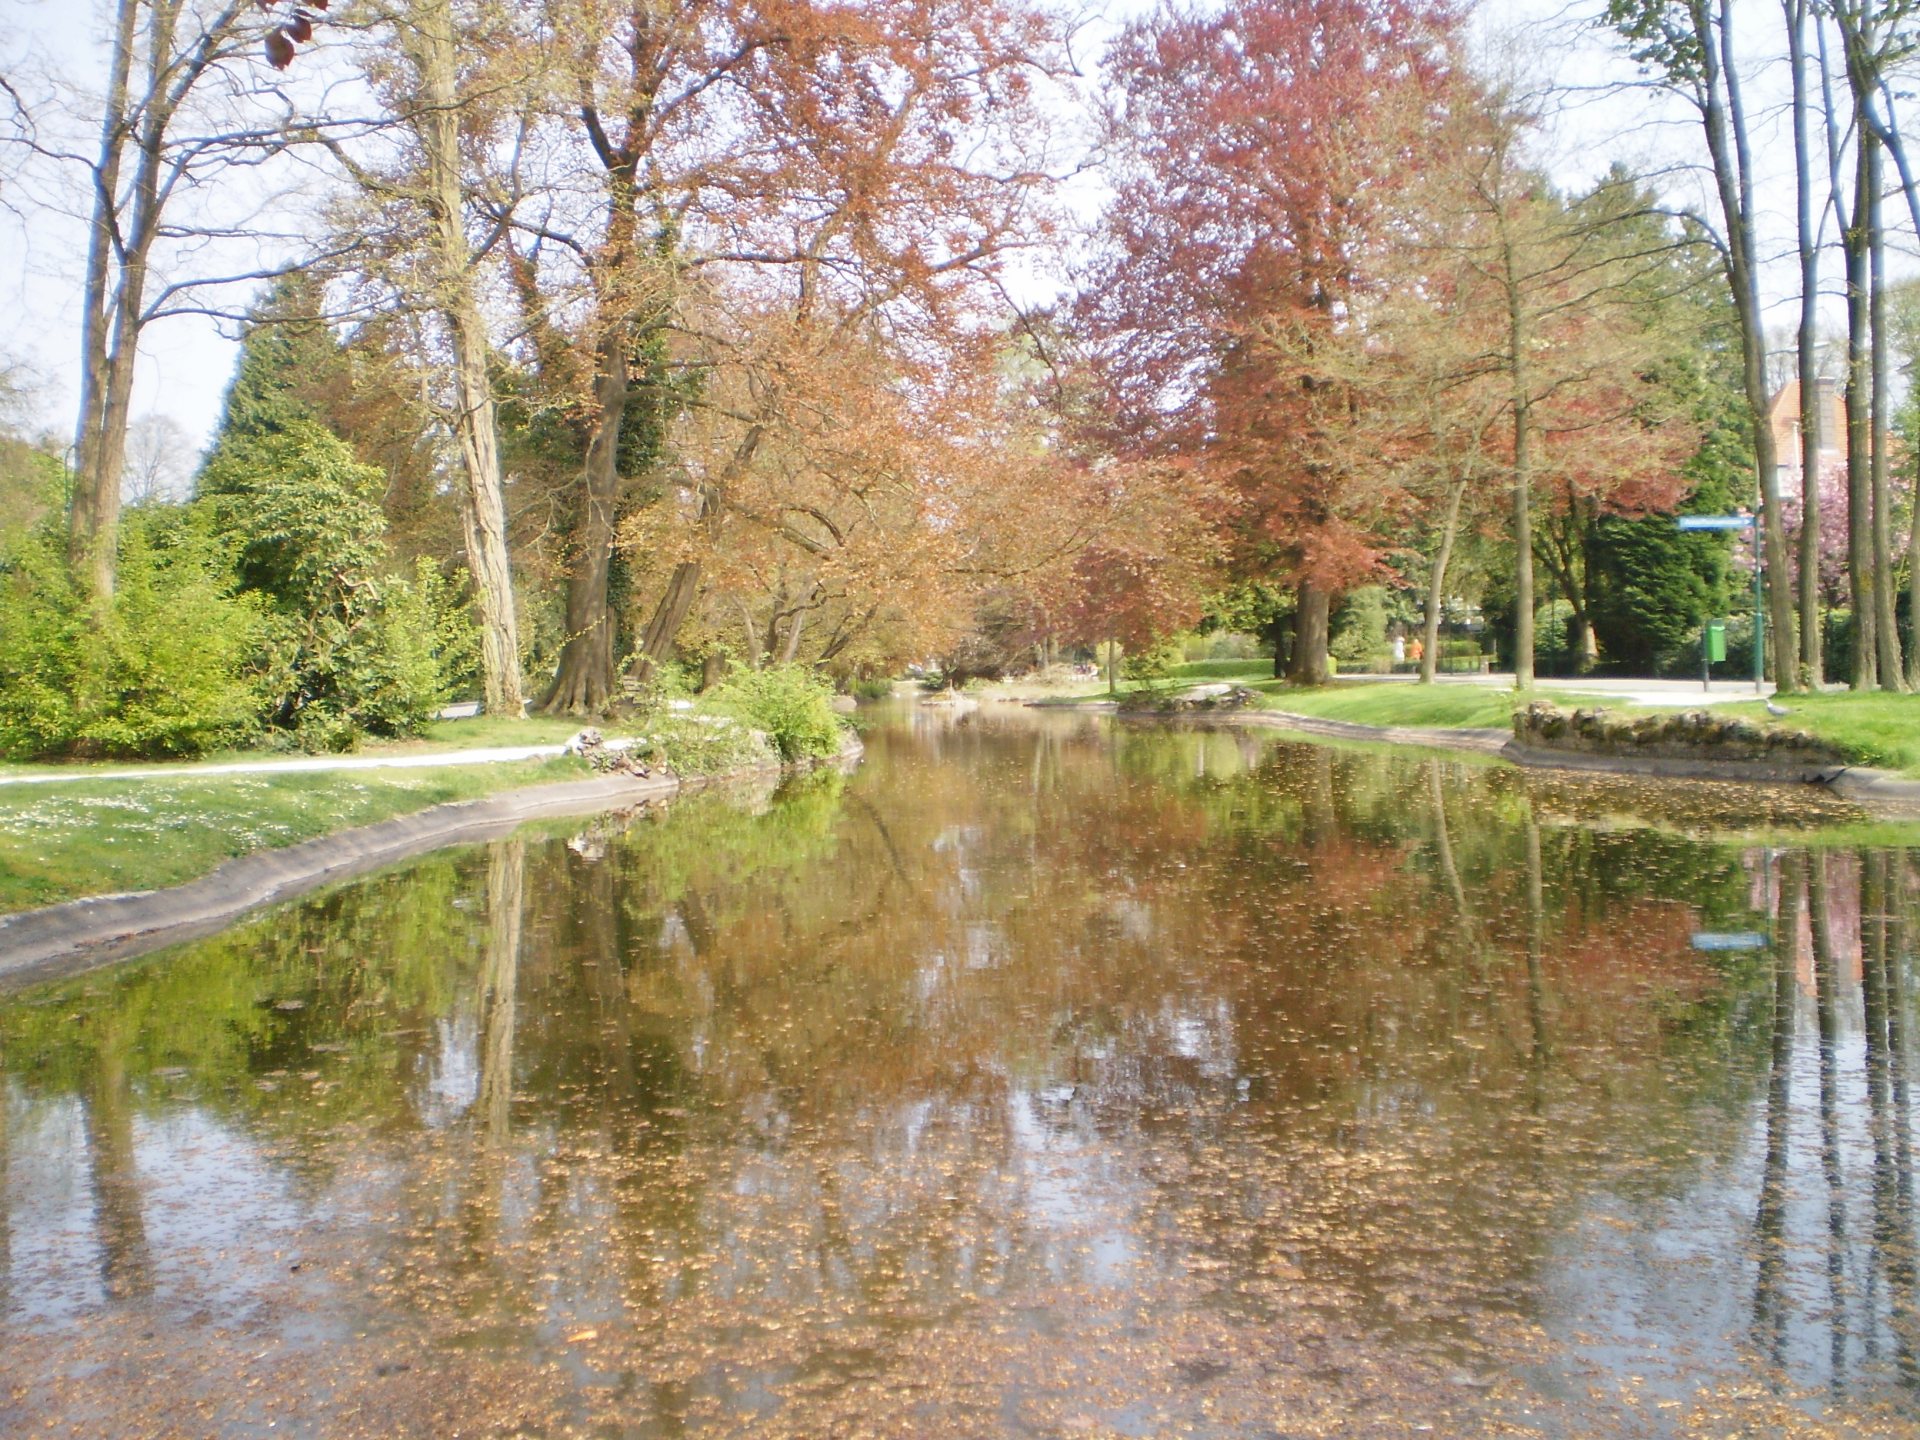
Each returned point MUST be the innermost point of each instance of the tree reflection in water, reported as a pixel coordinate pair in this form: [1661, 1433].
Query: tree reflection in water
[1044, 1076]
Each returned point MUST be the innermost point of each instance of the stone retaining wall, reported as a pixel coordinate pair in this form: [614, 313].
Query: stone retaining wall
[1681, 735]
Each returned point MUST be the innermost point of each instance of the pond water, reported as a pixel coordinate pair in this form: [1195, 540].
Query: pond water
[1045, 1076]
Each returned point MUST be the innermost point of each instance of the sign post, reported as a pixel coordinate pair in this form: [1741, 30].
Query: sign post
[1740, 522]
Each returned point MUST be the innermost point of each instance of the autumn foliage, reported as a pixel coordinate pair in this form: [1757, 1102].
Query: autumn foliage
[1263, 146]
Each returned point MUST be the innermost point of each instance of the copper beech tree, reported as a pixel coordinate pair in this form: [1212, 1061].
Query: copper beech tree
[1259, 152]
[1328, 281]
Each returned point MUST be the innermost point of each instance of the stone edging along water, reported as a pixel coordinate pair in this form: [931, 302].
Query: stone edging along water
[80, 934]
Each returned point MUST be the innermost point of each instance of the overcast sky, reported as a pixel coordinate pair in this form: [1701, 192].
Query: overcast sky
[186, 361]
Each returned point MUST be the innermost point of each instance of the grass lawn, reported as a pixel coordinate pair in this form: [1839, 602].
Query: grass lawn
[1872, 729]
[1199, 672]
[1366, 702]
[1394, 703]
[1876, 729]
[482, 732]
[485, 731]
[60, 842]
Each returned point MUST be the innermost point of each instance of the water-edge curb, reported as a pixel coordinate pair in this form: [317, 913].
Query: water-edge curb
[56, 940]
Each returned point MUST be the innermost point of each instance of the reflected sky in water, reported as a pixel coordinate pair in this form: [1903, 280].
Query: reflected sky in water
[1046, 1076]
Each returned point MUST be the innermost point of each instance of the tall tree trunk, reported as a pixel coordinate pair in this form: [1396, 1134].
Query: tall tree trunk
[506, 906]
[1589, 568]
[683, 586]
[1519, 382]
[93, 537]
[1313, 607]
[114, 298]
[126, 219]
[583, 684]
[1437, 580]
[1913, 586]
[790, 651]
[1570, 563]
[1866, 651]
[1522, 544]
[1886, 632]
[1724, 115]
[766, 657]
[752, 651]
[1888, 132]
[483, 506]
[1812, 415]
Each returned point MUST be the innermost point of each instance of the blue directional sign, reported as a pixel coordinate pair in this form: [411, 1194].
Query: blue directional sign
[1729, 940]
[1713, 522]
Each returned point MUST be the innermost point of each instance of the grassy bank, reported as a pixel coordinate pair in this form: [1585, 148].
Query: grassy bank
[483, 732]
[1877, 730]
[101, 835]
[61, 842]
[1362, 702]
[1375, 703]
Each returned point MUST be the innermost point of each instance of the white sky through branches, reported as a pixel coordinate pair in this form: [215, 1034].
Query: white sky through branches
[1546, 45]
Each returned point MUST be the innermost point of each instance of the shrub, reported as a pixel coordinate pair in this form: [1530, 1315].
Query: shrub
[348, 648]
[706, 745]
[790, 703]
[1152, 666]
[163, 674]
[1222, 645]
[447, 612]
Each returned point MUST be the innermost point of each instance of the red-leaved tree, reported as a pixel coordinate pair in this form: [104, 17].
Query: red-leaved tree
[1261, 151]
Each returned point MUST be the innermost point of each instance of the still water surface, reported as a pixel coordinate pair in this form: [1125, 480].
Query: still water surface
[1043, 1077]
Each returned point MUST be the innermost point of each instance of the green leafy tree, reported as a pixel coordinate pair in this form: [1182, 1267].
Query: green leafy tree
[163, 672]
[353, 644]
[1252, 607]
[1650, 585]
[349, 648]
